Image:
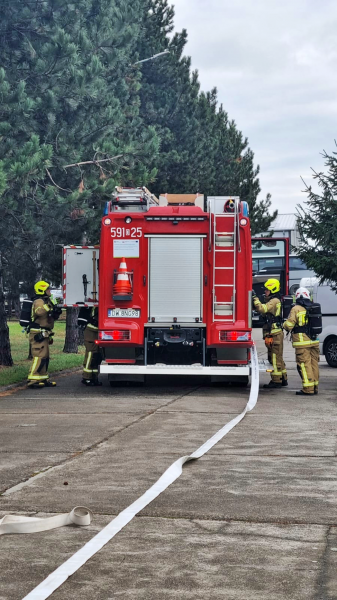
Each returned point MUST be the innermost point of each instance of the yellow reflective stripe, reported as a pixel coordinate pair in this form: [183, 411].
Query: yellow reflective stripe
[92, 326]
[46, 307]
[305, 382]
[37, 377]
[34, 363]
[288, 323]
[275, 371]
[302, 318]
[88, 370]
[88, 360]
[278, 309]
[306, 343]
[316, 383]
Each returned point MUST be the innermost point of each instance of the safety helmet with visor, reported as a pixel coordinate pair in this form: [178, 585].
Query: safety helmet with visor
[273, 285]
[41, 287]
[302, 292]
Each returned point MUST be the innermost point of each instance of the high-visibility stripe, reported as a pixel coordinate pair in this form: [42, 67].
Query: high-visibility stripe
[90, 326]
[306, 343]
[34, 363]
[275, 371]
[88, 360]
[289, 324]
[46, 307]
[302, 318]
[87, 370]
[305, 381]
[37, 377]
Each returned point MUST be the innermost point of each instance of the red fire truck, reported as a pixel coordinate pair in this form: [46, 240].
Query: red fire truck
[175, 285]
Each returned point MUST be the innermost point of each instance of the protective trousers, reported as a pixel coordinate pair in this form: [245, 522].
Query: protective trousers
[276, 358]
[307, 359]
[40, 352]
[92, 358]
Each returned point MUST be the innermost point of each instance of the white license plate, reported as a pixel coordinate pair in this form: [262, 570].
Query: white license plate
[132, 313]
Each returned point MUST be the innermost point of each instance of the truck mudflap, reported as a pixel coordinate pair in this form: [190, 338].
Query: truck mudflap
[158, 369]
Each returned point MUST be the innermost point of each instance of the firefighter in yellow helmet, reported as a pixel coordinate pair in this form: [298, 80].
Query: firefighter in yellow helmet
[306, 348]
[44, 312]
[272, 331]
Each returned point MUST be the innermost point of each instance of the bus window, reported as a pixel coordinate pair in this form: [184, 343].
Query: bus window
[297, 264]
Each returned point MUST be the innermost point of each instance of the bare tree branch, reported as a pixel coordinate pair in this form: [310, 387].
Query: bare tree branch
[94, 162]
[50, 177]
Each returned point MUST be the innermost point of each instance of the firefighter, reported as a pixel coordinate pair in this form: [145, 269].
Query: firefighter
[88, 321]
[272, 332]
[306, 348]
[44, 312]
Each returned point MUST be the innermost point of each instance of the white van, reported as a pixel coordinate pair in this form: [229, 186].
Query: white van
[327, 298]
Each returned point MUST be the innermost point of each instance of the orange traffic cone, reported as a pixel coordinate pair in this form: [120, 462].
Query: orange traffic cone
[122, 289]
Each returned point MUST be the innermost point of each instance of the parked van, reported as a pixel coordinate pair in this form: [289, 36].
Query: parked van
[328, 301]
[297, 270]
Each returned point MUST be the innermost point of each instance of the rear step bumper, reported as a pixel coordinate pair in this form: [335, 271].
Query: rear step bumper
[109, 369]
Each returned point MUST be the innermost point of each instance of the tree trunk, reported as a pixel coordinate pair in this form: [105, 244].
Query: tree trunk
[5, 346]
[71, 341]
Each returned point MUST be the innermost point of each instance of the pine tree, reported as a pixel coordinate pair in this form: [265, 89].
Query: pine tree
[69, 95]
[201, 150]
[318, 223]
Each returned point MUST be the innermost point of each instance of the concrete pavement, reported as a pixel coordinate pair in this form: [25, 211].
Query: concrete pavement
[253, 519]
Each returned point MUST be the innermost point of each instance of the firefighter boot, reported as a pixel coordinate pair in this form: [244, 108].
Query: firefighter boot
[35, 385]
[49, 383]
[315, 390]
[284, 381]
[301, 393]
[91, 382]
[272, 385]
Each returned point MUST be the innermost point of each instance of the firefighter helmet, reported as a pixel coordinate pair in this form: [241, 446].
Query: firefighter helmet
[302, 292]
[273, 285]
[41, 287]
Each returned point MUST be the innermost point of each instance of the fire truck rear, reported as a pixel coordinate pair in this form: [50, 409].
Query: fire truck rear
[175, 286]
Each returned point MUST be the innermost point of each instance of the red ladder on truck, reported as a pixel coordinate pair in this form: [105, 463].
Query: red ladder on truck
[225, 246]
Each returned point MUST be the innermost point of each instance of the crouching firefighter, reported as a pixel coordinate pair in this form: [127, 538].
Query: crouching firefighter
[272, 331]
[88, 322]
[44, 312]
[305, 322]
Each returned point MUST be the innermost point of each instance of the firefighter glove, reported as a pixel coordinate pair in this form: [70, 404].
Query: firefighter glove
[268, 340]
[39, 337]
[56, 312]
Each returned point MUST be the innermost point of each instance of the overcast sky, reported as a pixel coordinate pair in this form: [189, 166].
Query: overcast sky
[275, 67]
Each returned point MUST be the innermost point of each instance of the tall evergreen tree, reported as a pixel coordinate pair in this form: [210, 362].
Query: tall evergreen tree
[69, 95]
[318, 223]
[201, 150]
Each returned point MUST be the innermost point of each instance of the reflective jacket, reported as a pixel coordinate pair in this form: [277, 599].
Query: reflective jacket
[272, 311]
[298, 318]
[42, 309]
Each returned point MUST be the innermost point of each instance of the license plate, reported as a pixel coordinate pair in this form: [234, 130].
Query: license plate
[131, 313]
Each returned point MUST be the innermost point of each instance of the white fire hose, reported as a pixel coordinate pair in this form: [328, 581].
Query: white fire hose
[82, 516]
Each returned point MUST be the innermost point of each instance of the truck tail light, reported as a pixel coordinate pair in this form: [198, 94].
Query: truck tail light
[235, 336]
[116, 335]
